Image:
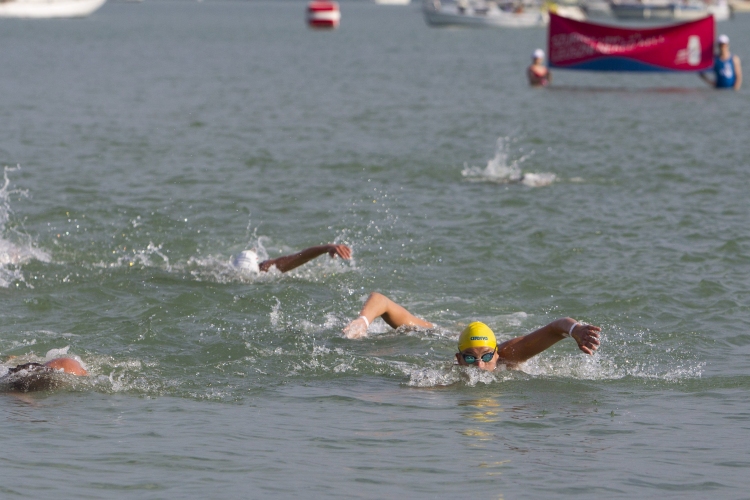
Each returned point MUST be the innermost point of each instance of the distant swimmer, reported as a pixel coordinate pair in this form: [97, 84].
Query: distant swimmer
[727, 68]
[477, 344]
[247, 260]
[539, 74]
[40, 377]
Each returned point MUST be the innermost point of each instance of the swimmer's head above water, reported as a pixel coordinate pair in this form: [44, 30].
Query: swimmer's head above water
[477, 346]
[247, 260]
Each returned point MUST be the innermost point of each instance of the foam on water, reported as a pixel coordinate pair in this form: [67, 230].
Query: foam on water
[16, 247]
[502, 169]
[578, 367]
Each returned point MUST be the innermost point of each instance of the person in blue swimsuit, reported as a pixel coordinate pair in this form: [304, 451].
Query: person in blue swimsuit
[727, 68]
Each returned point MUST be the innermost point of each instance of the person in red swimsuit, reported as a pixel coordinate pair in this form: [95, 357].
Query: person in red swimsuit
[539, 75]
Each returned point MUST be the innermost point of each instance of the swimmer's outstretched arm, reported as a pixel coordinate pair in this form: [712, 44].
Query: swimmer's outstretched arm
[378, 305]
[520, 349]
[289, 262]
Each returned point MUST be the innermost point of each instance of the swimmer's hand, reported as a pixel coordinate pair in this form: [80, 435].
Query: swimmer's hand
[342, 251]
[587, 337]
[356, 329]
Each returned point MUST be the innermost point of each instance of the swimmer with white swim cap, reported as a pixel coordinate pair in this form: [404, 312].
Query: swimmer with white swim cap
[247, 260]
[40, 377]
[477, 345]
[538, 74]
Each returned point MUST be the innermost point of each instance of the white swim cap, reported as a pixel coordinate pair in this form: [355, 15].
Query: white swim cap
[723, 39]
[538, 54]
[247, 260]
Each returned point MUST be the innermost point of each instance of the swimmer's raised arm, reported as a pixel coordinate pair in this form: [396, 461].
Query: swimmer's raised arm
[378, 305]
[520, 349]
[289, 262]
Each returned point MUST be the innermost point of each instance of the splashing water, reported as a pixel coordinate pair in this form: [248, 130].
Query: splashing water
[16, 248]
[501, 169]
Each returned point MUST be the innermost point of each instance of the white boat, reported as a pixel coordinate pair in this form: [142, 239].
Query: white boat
[569, 10]
[739, 5]
[392, 2]
[597, 9]
[666, 11]
[483, 14]
[48, 8]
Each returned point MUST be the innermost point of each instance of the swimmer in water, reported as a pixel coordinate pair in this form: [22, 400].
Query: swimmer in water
[247, 260]
[477, 345]
[40, 377]
[539, 75]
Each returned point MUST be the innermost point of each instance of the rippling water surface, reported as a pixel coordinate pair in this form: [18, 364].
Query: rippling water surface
[147, 144]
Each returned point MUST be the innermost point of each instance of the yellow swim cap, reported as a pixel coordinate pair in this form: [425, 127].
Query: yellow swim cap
[477, 334]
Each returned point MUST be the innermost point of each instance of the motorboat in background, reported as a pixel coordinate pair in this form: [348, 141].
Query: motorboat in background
[493, 14]
[567, 8]
[393, 2]
[666, 11]
[482, 14]
[48, 8]
[597, 9]
[739, 5]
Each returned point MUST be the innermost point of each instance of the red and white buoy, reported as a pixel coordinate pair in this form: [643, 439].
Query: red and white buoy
[323, 14]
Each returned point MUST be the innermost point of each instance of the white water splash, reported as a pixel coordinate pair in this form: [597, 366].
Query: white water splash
[141, 257]
[503, 170]
[275, 314]
[222, 269]
[16, 247]
[56, 353]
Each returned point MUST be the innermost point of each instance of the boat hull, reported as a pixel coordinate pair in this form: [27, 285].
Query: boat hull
[40, 9]
[450, 15]
[669, 12]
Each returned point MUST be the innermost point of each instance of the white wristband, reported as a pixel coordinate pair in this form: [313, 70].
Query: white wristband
[367, 323]
[570, 332]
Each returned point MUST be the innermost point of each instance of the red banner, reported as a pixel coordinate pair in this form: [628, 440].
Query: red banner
[678, 47]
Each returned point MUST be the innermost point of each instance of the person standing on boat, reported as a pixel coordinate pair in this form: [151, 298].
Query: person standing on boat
[727, 68]
[539, 74]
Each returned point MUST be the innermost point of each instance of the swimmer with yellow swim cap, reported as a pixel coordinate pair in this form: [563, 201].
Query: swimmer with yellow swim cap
[477, 345]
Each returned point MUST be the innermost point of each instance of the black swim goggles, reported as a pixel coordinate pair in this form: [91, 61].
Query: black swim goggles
[486, 357]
